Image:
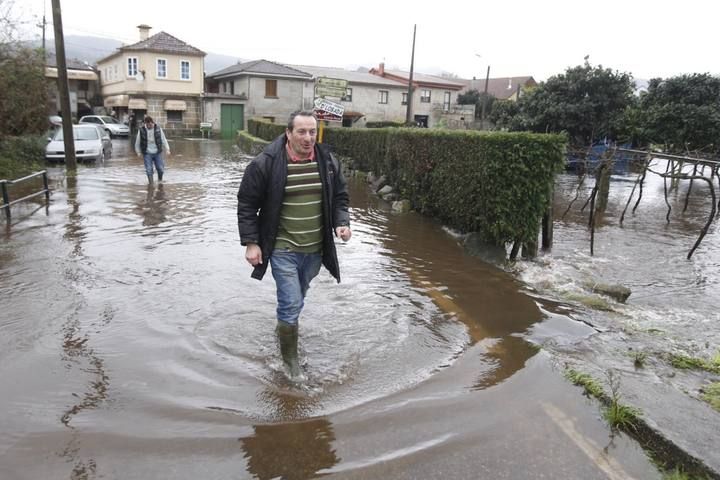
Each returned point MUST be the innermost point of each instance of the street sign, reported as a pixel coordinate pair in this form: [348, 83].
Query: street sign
[321, 91]
[330, 117]
[330, 87]
[329, 107]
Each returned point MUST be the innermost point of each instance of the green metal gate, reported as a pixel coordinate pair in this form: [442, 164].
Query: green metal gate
[231, 120]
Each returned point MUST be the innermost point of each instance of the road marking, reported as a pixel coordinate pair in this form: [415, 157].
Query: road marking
[609, 466]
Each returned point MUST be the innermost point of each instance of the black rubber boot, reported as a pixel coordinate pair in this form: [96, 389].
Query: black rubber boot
[288, 337]
[150, 179]
[160, 174]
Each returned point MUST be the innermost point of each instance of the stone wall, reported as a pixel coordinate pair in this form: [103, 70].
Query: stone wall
[191, 117]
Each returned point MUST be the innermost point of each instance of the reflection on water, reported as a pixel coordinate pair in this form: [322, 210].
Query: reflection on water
[290, 450]
[155, 206]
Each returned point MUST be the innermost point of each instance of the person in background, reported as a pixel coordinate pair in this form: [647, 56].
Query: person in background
[151, 144]
[291, 201]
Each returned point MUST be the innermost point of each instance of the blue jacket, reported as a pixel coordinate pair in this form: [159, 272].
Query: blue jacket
[261, 194]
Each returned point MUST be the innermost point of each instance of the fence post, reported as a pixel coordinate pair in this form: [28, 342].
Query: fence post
[6, 199]
[46, 187]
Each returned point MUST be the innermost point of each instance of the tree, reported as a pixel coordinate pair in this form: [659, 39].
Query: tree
[23, 91]
[586, 102]
[474, 97]
[505, 115]
[682, 113]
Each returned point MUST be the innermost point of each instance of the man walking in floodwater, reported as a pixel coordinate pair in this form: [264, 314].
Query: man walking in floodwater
[151, 144]
[291, 200]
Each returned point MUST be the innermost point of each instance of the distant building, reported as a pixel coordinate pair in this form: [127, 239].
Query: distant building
[160, 76]
[434, 99]
[368, 97]
[83, 83]
[258, 89]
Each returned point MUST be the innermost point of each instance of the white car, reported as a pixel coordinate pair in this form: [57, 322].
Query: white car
[113, 126]
[91, 143]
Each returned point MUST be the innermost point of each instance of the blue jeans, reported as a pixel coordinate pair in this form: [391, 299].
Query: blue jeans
[154, 159]
[293, 272]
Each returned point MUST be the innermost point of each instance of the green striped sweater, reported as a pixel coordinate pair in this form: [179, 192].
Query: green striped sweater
[301, 219]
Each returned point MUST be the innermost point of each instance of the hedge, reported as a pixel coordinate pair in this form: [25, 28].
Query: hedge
[20, 156]
[498, 184]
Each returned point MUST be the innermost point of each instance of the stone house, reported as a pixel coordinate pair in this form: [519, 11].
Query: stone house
[257, 89]
[434, 99]
[160, 76]
[368, 97]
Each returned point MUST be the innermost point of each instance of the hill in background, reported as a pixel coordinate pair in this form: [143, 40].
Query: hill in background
[91, 49]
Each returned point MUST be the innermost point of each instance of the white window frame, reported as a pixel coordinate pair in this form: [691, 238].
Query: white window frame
[132, 67]
[404, 98]
[189, 70]
[423, 97]
[384, 97]
[157, 68]
[447, 98]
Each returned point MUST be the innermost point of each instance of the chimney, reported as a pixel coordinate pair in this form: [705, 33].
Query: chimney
[381, 69]
[144, 31]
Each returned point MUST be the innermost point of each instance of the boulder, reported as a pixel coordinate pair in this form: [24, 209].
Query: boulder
[401, 206]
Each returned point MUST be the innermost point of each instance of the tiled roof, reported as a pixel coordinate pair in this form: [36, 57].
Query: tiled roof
[424, 78]
[71, 63]
[165, 43]
[260, 67]
[420, 78]
[352, 76]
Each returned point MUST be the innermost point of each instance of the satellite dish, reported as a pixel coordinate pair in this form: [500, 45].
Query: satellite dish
[139, 76]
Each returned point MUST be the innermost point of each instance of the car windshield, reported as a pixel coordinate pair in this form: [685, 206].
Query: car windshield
[79, 134]
[109, 119]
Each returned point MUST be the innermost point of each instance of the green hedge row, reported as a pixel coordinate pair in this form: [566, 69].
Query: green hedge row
[383, 124]
[497, 184]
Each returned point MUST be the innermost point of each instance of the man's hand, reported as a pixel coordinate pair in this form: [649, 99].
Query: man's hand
[253, 254]
[344, 233]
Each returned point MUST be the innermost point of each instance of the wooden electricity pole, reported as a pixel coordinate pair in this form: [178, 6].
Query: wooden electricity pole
[63, 88]
[408, 114]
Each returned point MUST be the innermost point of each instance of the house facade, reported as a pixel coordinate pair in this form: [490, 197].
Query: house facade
[83, 83]
[258, 89]
[368, 97]
[434, 99]
[160, 76]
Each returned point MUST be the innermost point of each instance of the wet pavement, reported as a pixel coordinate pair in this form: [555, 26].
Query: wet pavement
[135, 345]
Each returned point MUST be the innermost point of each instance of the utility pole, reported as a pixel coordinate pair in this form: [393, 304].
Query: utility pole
[63, 87]
[484, 100]
[408, 114]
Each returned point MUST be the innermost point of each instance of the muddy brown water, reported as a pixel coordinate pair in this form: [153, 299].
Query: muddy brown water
[135, 345]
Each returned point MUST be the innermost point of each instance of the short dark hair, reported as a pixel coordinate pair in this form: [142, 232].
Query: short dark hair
[299, 113]
[148, 119]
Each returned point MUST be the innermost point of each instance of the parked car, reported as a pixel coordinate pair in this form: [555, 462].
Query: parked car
[91, 143]
[112, 125]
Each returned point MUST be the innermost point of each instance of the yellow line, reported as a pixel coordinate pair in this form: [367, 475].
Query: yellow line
[609, 466]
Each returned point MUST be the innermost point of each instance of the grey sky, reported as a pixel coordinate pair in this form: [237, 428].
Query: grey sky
[521, 37]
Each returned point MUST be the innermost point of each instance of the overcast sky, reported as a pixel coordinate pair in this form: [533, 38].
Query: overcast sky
[645, 38]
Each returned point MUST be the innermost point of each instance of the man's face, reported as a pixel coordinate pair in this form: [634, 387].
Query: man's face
[149, 125]
[302, 137]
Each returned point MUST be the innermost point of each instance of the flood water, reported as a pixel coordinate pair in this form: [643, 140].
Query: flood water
[135, 345]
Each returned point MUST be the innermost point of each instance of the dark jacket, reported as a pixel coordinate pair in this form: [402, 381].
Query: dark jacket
[144, 140]
[261, 195]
